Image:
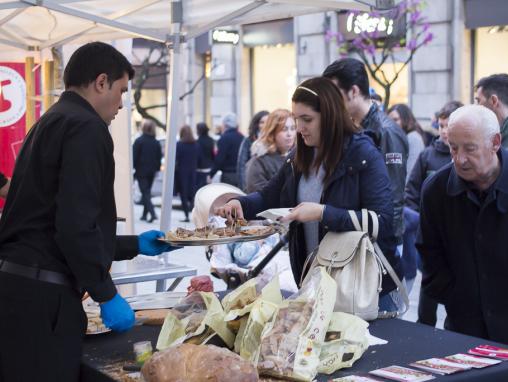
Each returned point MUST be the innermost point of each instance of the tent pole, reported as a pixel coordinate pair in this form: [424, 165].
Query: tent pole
[171, 117]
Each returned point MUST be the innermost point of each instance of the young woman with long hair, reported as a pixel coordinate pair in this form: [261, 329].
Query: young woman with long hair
[334, 168]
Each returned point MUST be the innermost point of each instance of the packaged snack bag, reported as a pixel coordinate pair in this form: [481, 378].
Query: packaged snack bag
[346, 340]
[193, 320]
[291, 343]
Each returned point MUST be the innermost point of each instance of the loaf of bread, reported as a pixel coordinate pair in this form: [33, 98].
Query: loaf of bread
[198, 363]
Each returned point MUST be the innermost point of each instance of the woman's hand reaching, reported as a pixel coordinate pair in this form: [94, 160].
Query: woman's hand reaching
[232, 211]
[305, 212]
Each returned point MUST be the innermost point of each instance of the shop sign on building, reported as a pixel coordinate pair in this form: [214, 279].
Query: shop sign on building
[222, 36]
[353, 24]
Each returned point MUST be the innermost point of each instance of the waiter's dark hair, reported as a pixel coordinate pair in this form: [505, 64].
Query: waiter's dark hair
[336, 126]
[349, 72]
[93, 59]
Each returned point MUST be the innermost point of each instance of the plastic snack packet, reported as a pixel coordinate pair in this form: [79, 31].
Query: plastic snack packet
[291, 343]
[194, 319]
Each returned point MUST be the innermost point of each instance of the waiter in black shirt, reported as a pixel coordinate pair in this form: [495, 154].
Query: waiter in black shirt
[58, 228]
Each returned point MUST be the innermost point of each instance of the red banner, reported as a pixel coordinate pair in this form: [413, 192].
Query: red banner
[12, 113]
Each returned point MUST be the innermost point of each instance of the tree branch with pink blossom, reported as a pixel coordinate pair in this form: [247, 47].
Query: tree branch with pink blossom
[376, 45]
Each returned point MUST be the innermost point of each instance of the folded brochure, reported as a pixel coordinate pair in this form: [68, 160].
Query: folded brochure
[402, 374]
[490, 351]
[472, 360]
[440, 366]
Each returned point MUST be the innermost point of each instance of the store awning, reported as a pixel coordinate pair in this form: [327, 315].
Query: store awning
[36, 25]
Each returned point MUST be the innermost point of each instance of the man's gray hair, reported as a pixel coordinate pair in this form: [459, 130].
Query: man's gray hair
[483, 118]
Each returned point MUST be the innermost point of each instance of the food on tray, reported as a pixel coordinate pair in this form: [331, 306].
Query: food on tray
[193, 320]
[217, 233]
[95, 324]
[153, 317]
[237, 222]
[200, 284]
[198, 363]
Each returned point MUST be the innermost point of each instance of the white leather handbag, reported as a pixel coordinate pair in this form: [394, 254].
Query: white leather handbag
[357, 264]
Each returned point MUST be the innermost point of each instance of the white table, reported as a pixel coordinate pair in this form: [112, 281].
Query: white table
[144, 269]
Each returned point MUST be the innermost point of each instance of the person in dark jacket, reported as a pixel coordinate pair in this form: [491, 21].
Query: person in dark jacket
[228, 147]
[147, 155]
[463, 225]
[206, 155]
[187, 154]
[321, 183]
[256, 126]
[351, 77]
[270, 150]
[433, 158]
[58, 228]
[492, 92]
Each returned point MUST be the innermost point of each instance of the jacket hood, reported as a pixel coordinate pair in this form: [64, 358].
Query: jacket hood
[258, 149]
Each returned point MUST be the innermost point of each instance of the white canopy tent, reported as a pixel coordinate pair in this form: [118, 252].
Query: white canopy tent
[38, 25]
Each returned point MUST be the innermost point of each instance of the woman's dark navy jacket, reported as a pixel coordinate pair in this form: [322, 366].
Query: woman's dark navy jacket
[360, 181]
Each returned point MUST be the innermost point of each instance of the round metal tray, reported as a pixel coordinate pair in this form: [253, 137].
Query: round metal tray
[222, 240]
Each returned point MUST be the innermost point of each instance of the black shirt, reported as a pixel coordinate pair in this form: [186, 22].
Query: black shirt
[60, 213]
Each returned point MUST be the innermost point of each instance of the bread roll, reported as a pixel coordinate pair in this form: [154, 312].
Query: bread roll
[198, 363]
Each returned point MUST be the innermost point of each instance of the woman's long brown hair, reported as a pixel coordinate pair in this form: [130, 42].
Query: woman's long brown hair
[336, 126]
[186, 135]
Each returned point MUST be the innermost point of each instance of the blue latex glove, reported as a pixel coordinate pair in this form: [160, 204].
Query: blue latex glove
[150, 246]
[117, 314]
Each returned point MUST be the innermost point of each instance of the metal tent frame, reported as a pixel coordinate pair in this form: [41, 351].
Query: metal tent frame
[36, 25]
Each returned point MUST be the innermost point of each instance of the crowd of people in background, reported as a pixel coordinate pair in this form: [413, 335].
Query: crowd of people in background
[457, 161]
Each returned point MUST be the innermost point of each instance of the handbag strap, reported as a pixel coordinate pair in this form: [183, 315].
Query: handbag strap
[365, 222]
[354, 219]
[400, 286]
[379, 253]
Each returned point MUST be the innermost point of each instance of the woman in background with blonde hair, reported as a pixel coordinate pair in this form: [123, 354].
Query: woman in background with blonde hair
[269, 150]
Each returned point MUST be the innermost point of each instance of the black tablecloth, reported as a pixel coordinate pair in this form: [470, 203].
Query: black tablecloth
[408, 342]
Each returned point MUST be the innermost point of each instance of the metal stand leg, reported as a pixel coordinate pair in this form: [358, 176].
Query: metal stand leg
[160, 285]
[174, 284]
